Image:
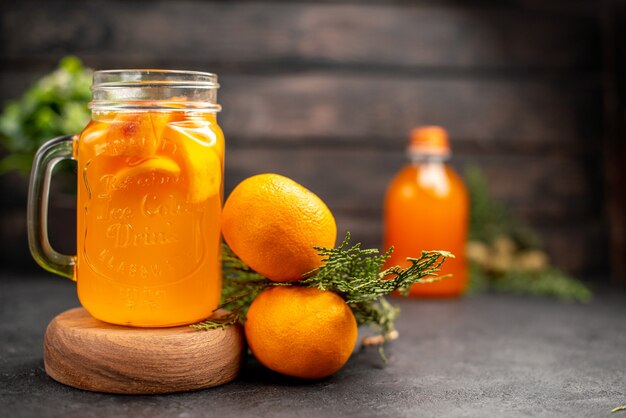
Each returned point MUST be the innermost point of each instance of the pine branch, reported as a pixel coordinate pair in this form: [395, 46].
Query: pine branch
[379, 315]
[240, 285]
[221, 322]
[499, 267]
[490, 219]
[356, 275]
[550, 282]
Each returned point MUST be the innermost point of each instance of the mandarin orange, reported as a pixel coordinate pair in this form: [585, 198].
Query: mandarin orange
[301, 332]
[272, 223]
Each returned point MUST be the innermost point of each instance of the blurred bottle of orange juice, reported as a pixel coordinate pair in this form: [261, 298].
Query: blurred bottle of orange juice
[426, 208]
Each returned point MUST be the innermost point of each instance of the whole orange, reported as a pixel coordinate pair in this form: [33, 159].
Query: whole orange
[272, 223]
[301, 331]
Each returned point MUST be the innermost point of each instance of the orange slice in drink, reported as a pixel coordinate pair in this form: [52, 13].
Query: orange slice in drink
[94, 136]
[197, 153]
[130, 135]
[159, 120]
[161, 165]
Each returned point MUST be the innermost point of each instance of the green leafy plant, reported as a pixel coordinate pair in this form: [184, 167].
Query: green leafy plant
[55, 105]
[355, 274]
[505, 254]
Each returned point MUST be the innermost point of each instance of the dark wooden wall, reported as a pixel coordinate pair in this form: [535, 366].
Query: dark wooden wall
[325, 92]
[614, 149]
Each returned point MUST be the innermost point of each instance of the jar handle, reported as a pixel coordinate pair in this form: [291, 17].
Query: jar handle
[48, 155]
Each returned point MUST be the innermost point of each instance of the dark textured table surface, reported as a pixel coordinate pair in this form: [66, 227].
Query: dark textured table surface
[487, 355]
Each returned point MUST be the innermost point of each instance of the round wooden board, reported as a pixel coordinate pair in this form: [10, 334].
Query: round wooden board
[85, 353]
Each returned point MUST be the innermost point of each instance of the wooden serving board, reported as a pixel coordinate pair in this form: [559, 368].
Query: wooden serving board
[85, 353]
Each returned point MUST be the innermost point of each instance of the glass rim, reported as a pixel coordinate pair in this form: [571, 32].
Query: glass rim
[124, 78]
[154, 89]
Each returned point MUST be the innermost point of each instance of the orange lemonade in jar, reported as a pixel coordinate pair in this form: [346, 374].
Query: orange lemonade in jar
[150, 190]
[426, 208]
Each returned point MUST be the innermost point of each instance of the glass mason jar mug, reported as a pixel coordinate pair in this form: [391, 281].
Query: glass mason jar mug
[150, 190]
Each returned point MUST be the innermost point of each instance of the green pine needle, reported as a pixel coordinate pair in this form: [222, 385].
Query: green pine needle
[359, 277]
[550, 282]
[379, 315]
[221, 322]
[490, 220]
[240, 285]
[619, 408]
[356, 275]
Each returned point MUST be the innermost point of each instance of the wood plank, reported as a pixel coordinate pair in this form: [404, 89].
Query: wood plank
[545, 189]
[613, 144]
[354, 109]
[332, 109]
[13, 83]
[204, 33]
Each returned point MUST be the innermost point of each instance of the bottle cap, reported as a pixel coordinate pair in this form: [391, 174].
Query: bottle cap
[432, 140]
